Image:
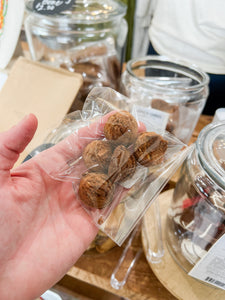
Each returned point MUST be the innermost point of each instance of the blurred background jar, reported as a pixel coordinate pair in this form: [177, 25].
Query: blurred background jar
[89, 38]
[196, 217]
[175, 89]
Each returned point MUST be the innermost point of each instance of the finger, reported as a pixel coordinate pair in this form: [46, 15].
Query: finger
[14, 141]
[141, 127]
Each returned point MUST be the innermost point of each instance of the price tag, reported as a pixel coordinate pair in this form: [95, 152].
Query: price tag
[211, 267]
[154, 119]
[51, 7]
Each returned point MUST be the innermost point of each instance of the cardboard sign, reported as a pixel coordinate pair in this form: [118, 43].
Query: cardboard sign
[51, 7]
[35, 88]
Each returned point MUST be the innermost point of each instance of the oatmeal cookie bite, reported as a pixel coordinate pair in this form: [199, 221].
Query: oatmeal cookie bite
[150, 148]
[121, 128]
[95, 190]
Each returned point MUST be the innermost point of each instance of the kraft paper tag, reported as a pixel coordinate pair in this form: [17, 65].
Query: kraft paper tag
[35, 88]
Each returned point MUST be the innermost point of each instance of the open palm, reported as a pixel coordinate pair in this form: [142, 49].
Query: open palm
[43, 228]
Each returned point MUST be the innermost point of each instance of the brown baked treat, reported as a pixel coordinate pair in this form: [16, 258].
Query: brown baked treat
[150, 148]
[171, 109]
[92, 51]
[122, 164]
[163, 106]
[121, 128]
[97, 155]
[96, 190]
[103, 243]
[87, 69]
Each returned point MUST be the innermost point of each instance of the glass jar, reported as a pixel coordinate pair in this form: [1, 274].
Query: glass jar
[88, 39]
[196, 217]
[171, 87]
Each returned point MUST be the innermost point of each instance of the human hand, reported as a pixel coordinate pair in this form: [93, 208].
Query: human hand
[44, 230]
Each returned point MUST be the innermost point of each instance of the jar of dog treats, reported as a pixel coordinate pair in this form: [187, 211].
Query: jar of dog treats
[86, 36]
[196, 218]
[171, 92]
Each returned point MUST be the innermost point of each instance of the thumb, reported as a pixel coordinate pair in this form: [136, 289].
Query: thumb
[15, 140]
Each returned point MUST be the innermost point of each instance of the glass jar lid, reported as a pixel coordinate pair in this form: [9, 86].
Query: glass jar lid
[87, 11]
[211, 150]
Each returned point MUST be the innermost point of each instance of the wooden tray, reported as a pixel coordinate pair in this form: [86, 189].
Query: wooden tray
[179, 283]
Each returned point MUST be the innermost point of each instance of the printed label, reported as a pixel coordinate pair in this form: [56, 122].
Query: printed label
[3, 12]
[50, 7]
[211, 267]
[154, 119]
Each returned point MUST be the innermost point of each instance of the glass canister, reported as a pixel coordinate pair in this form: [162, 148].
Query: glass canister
[176, 90]
[196, 217]
[89, 39]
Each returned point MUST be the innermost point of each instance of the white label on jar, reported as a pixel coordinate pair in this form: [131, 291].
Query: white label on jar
[154, 119]
[211, 267]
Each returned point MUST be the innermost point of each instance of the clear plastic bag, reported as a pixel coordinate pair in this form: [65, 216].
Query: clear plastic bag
[120, 185]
